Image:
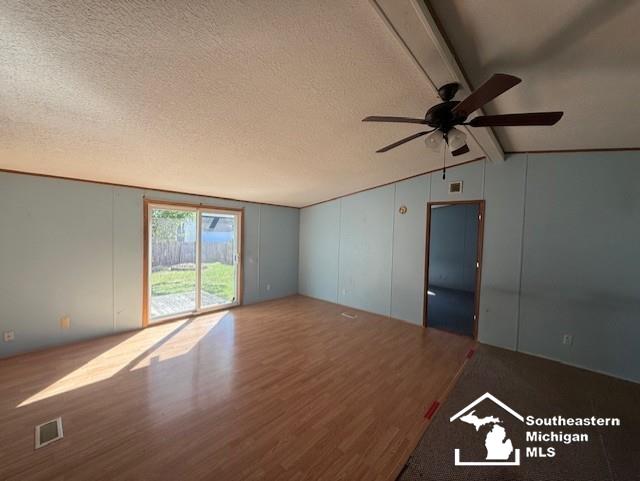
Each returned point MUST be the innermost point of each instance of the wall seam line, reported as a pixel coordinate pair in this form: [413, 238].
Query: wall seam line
[113, 259]
[339, 250]
[259, 251]
[524, 211]
[483, 196]
[393, 243]
[484, 174]
[299, 253]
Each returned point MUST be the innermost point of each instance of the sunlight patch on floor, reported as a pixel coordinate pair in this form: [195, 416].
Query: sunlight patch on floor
[108, 363]
[183, 342]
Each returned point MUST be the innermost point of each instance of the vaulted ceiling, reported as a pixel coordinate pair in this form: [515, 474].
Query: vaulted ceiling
[263, 101]
[580, 56]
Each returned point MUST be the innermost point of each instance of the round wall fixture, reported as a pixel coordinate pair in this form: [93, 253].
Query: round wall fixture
[403, 209]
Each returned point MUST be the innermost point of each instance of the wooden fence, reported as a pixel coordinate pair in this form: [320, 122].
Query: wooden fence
[170, 253]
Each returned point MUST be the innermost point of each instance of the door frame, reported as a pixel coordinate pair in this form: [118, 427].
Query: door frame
[480, 241]
[146, 239]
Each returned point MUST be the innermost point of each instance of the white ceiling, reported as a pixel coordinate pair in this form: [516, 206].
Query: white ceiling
[262, 101]
[251, 100]
[580, 56]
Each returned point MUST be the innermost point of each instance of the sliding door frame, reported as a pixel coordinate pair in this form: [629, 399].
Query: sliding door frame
[148, 204]
[480, 242]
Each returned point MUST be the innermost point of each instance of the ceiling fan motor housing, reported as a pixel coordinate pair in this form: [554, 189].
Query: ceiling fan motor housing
[442, 117]
[448, 91]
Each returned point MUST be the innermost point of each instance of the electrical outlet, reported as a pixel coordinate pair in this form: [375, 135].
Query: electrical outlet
[9, 336]
[567, 339]
[65, 322]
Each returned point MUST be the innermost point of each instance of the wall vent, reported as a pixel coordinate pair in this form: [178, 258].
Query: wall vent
[455, 187]
[48, 432]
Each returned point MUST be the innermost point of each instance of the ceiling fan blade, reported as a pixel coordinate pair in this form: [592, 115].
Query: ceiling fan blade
[531, 118]
[496, 85]
[462, 150]
[406, 120]
[402, 141]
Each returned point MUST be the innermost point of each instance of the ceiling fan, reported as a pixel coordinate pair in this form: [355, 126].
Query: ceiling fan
[444, 116]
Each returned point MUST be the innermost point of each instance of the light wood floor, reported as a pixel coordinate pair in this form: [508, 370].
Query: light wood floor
[287, 389]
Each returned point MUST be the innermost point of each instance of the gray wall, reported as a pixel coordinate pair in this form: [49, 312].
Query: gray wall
[581, 261]
[319, 250]
[366, 242]
[359, 251]
[560, 254]
[75, 248]
[453, 246]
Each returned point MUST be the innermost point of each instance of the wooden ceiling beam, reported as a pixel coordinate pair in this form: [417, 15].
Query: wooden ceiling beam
[416, 28]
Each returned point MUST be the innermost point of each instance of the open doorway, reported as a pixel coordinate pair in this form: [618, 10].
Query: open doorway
[453, 266]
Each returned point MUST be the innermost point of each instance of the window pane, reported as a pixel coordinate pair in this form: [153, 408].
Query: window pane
[173, 262]
[218, 254]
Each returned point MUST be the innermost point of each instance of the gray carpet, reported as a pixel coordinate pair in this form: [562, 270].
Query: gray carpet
[541, 388]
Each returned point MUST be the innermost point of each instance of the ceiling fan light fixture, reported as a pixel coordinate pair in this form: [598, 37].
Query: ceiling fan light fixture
[456, 139]
[433, 141]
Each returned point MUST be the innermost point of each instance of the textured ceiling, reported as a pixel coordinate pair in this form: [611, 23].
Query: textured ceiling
[580, 56]
[251, 100]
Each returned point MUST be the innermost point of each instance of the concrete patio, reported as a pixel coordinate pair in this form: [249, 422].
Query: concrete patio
[169, 304]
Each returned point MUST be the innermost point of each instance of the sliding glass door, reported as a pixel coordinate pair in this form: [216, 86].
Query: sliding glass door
[218, 259]
[172, 263]
[193, 260]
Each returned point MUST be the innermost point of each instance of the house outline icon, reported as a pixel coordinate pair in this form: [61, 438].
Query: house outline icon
[515, 462]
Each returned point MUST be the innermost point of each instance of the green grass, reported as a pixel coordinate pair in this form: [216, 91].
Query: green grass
[217, 279]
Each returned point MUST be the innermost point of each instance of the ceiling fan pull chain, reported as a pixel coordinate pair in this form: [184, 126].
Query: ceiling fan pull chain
[444, 157]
